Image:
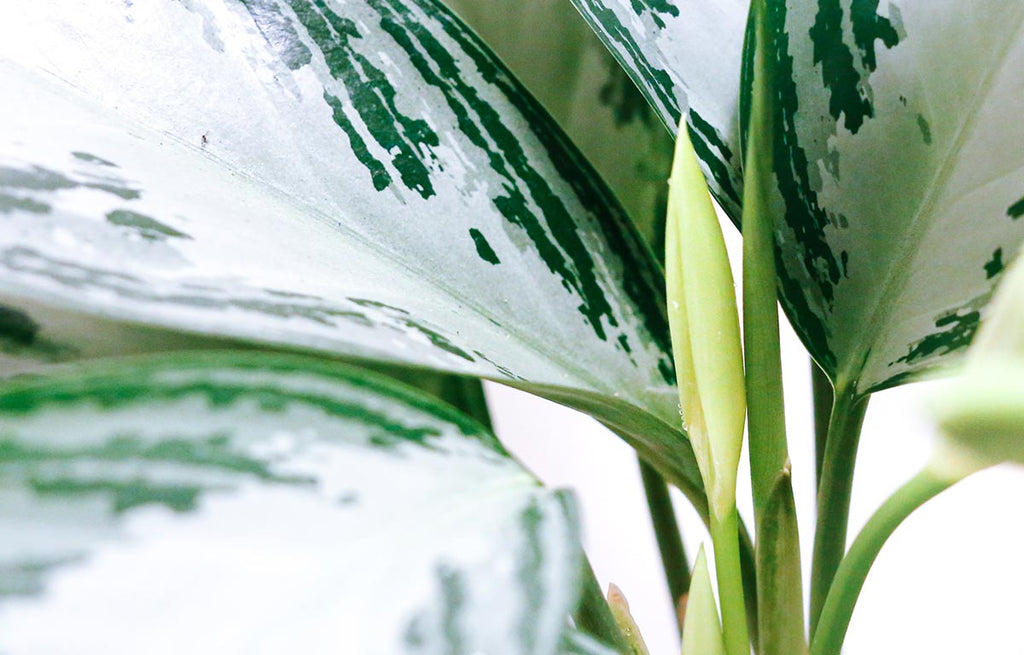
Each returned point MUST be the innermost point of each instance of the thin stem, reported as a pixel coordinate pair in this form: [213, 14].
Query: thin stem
[748, 567]
[834, 495]
[593, 616]
[849, 579]
[766, 418]
[725, 537]
[666, 532]
[821, 391]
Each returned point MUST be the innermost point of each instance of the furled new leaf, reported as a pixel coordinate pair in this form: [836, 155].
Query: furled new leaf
[685, 57]
[244, 503]
[357, 177]
[702, 630]
[898, 174]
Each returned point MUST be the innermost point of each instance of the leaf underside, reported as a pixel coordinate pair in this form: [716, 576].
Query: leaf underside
[898, 172]
[897, 167]
[234, 502]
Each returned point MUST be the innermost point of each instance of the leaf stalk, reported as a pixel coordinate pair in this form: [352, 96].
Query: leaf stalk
[853, 571]
[834, 495]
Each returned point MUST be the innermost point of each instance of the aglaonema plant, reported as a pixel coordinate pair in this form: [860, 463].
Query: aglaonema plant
[230, 225]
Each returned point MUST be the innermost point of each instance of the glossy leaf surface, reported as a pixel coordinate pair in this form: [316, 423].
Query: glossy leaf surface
[354, 177]
[685, 57]
[267, 504]
[554, 53]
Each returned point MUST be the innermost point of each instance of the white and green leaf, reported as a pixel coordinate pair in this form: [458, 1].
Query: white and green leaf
[561, 61]
[896, 161]
[360, 178]
[897, 173]
[235, 502]
[685, 57]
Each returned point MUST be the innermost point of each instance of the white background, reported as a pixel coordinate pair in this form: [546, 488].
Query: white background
[950, 581]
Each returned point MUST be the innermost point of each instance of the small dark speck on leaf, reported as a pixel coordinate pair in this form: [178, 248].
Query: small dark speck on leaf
[348, 498]
[1016, 210]
[926, 129]
[483, 249]
[17, 327]
[147, 227]
[995, 265]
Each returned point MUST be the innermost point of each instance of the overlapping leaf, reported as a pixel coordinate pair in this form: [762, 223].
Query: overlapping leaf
[357, 177]
[553, 52]
[237, 503]
[685, 57]
[897, 160]
[898, 174]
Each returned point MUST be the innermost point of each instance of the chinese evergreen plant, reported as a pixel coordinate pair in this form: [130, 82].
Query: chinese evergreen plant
[256, 255]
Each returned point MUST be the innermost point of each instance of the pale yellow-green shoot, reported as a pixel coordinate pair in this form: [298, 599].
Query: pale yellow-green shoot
[705, 327]
[702, 631]
[709, 367]
[624, 620]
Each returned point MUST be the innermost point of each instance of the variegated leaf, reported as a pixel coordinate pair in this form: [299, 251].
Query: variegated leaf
[236, 503]
[899, 174]
[897, 158]
[685, 56]
[553, 52]
[357, 177]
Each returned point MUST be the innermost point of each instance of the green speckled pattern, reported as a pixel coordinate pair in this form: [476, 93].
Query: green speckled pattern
[897, 157]
[685, 57]
[268, 504]
[553, 52]
[897, 161]
[355, 177]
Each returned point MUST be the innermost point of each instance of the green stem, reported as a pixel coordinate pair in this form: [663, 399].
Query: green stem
[849, 579]
[666, 532]
[748, 566]
[766, 419]
[821, 392]
[779, 583]
[593, 616]
[725, 537]
[834, 495]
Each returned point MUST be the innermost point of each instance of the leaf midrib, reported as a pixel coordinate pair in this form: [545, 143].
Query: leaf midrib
[896, 280]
